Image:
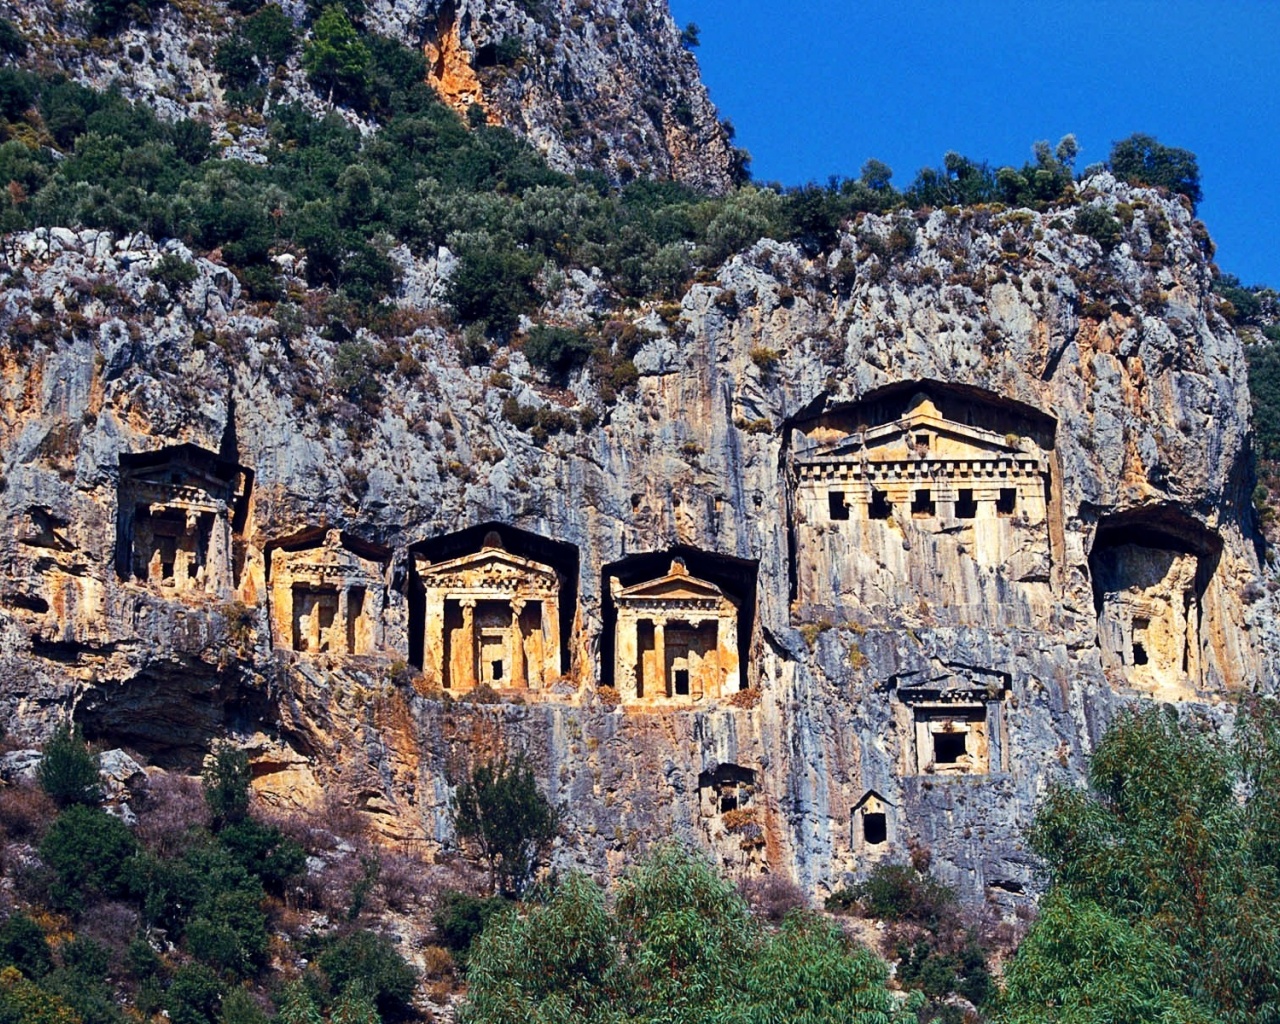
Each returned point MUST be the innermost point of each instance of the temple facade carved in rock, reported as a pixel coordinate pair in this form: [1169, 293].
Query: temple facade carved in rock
[492, 618]
[177, 512]
[327, 595]
[926, 493]
[676, 640]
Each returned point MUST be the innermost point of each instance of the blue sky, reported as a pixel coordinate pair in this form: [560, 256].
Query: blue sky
[815, 88]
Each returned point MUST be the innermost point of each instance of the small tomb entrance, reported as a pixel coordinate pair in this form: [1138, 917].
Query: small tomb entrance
[328, 590]
[872, 825]
[954, 721]
[729, 787]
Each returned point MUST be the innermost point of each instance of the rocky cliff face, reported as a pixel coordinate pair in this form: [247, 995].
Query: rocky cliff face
[605, 85]
[969, 482]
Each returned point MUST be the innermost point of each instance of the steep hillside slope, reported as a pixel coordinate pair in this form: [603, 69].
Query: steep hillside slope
[605, 86]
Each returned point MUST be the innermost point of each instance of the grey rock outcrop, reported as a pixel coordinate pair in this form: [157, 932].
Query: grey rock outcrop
[1139, 580]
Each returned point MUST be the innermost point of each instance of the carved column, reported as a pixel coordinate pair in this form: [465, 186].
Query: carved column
[664, 688]
[468, 653]
[518, 678]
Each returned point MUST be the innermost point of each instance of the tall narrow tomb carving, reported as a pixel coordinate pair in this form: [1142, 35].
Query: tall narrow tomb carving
[177, 513]
[491, 618]
[676, 640]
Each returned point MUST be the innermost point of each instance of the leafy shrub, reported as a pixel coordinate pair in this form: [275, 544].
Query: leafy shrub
[558, 350]
[174, 272]
[91, 853]
[23, 945]
[12, 41]
[265, 851]
[461, 917]
[899, 892]
[493, 285]
[369, 961]
[499, 807]
[1099, 224]
[194, 995]
[106, 17]
[226, 786]
[68, 772]
[353, 375]
[23, 1002]
[228, 931]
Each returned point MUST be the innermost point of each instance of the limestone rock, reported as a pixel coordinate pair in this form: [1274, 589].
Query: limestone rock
[1058, 443]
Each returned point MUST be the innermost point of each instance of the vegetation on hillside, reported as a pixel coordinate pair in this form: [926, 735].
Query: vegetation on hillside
[1164, 880]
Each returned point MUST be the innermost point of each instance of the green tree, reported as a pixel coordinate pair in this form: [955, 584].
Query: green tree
[679, 947]
[1142, 160]
[226, 786]
[366, 965]
[500, 808]
[336, 60]
[68, 772]
[1178, 838]
[91, 853]
[558, 350]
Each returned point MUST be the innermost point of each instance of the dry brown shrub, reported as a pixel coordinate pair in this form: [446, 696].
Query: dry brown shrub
[437, 962]
[25, 811]
[772, 897]
[111, 924]
[174, 805]
[402, 882]
[609, 697]
[745, 698]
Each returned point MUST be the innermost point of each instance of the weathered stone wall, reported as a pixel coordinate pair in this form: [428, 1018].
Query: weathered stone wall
[1144, 382]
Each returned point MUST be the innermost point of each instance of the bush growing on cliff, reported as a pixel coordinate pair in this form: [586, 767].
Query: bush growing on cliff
[68, 772]
[1164, 900]
[1142, 160]
[499, 807]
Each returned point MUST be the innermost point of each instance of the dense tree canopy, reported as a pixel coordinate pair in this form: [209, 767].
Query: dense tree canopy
[1164, 900]
[678, 946]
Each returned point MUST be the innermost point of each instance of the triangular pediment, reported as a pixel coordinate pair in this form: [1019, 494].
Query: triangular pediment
[942, 439]
[672, 588]
[868, 797]
[492, 562]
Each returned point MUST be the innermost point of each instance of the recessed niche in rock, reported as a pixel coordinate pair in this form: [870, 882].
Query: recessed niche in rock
[492, 615]
[729, 787]
[874, 824]
[1153, 572]
[177, 513]
[328, 592]
[952, 721]
[676, 635]
[926, 490]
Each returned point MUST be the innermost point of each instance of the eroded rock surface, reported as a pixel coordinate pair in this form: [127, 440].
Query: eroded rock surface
[1058, 438]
